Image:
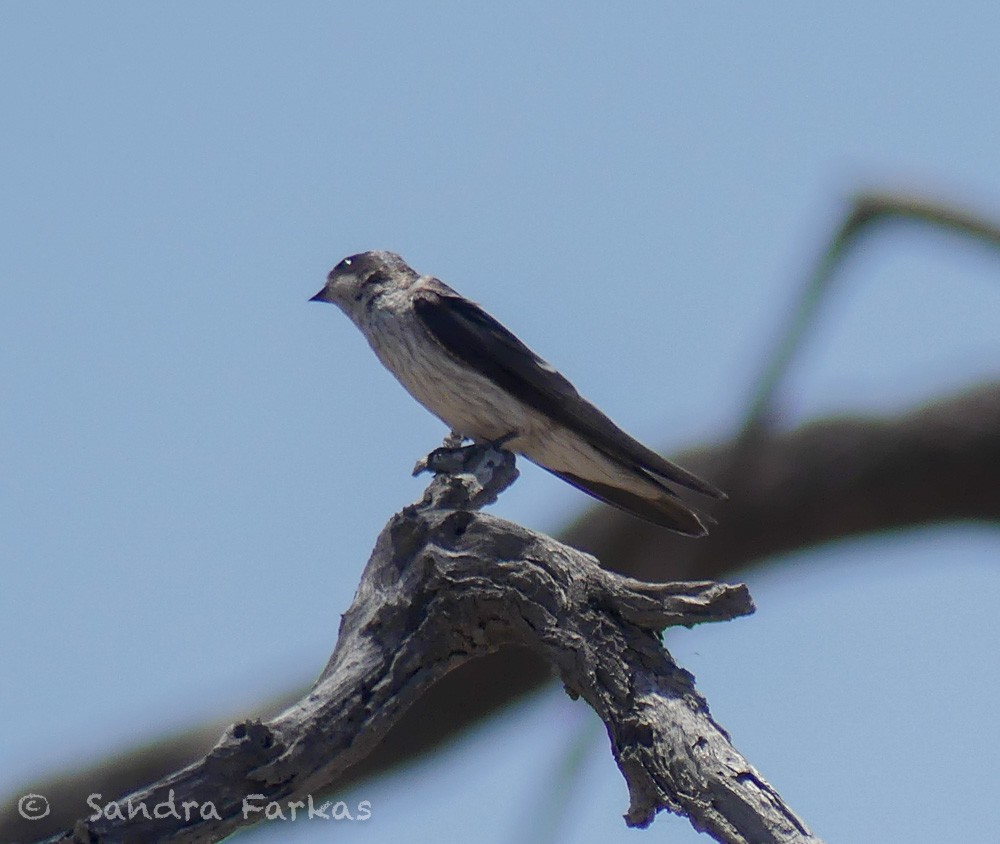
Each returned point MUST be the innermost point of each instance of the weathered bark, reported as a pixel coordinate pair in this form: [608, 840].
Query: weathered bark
[446, 584]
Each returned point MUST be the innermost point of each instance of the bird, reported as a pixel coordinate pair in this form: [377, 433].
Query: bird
[471, 372]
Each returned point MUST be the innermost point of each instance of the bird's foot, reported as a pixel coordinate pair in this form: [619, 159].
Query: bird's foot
[453, 458]
[467, 477]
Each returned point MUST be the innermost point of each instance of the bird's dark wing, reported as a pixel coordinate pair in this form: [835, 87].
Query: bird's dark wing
[474, 337]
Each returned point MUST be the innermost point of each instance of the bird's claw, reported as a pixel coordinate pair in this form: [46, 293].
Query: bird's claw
[453, 457]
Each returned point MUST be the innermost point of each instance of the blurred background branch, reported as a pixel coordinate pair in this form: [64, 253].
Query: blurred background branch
[870, 212]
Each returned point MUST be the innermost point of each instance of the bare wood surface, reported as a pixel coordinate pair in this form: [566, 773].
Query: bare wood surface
[443, 586]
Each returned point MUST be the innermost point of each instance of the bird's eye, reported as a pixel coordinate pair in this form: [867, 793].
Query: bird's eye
[346, 262]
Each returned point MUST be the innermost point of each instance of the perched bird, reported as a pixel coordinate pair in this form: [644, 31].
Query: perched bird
[479, 379]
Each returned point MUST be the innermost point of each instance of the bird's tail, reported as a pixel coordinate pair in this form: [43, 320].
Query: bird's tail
[655, 503]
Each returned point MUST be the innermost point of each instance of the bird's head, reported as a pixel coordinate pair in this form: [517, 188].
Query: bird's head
[359, 279]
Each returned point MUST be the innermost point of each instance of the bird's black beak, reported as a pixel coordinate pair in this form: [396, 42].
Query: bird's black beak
[319, 297]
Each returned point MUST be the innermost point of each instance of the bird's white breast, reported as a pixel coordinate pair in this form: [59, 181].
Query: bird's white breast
[462, 398]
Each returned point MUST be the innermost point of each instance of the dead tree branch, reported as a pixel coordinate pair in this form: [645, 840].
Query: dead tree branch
[444, 585]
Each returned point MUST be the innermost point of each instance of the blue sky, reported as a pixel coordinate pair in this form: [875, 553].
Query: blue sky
[196, 460]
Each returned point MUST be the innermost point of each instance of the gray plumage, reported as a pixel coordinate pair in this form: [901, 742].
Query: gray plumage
[484, 383]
